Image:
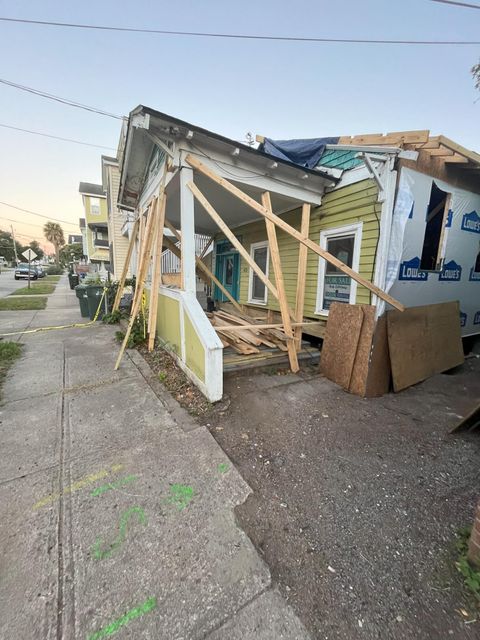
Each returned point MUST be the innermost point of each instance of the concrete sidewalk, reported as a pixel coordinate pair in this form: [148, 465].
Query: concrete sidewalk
[116, 509]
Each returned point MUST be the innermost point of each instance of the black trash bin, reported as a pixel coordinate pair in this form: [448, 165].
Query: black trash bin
[94, 295]
[81, 293]
[73, 280]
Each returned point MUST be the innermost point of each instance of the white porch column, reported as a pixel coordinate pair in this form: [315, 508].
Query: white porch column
[187, 220]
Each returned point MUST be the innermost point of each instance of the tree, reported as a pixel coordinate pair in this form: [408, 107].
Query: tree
[71, 253]
[37, 249]
[476, 75]
[6, 247]
[53, 232]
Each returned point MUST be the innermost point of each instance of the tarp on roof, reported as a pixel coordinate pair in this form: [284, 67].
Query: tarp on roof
[305, 153]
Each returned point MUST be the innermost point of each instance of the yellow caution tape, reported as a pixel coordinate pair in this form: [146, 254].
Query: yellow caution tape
[63, 326]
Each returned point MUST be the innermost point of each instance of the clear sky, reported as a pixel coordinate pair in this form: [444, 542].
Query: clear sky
[278, 89]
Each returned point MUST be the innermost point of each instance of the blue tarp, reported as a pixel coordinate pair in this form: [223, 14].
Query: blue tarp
[305, 153]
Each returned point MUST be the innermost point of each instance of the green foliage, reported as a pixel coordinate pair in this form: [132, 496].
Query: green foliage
[6, 246]
[471, 577]
[22, 304]
[36, 248]
[112, 318]
[54, 270]
[137, 335]
[70, 253]
[93, 278]
[162, 376]
[9, 352]
[53, 232]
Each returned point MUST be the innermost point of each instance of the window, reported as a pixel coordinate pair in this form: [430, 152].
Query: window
[257, 291]
[433, 249]
[333, 284]
[94, 206]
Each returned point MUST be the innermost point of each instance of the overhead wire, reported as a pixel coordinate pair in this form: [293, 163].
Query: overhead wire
[34, 213]
[67, 101]
[466, 5]
[48, 135]
[236, 36]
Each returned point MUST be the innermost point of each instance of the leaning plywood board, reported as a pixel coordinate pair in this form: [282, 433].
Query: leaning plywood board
[423, 341]
[341, 342]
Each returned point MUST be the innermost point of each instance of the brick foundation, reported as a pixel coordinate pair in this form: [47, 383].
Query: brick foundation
[474, 544]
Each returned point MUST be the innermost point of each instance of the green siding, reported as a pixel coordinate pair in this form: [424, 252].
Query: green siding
[194, 349]
[168, 322]
[351, 204]
[339, 159]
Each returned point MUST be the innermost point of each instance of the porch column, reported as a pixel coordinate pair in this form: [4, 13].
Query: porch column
[187, 220]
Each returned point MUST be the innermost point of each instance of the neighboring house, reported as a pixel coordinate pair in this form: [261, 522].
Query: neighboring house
[96, 224]
[74, 239]
[401, 210]
[116, 218]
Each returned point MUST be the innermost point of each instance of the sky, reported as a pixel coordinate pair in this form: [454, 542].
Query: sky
[278, 89]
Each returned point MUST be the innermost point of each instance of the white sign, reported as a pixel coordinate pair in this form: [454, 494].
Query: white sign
[29, 254]
[337, 288]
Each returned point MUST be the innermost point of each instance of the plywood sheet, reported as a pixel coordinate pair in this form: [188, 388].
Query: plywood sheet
[340, 344]
[423, 341]
[379, 371]
[361, 365]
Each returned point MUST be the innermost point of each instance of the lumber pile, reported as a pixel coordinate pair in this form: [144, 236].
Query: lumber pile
[244, 335]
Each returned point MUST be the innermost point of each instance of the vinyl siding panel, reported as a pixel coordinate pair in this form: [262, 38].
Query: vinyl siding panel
[348, 205]
[115, 223]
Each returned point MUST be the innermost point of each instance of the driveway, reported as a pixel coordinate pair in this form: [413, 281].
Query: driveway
[356, 503]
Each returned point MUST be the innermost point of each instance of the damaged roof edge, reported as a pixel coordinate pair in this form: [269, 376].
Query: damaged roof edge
[141, 109]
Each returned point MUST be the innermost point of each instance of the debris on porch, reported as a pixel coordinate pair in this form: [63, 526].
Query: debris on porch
[250, 344]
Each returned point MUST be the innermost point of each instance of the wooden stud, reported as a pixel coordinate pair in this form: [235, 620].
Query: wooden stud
[282, 297]
[157, 276]
[313, 246]
[206, 248]
[233, 239]
[273, 325]
[301, 275]
[142, 274]
[201, 265]
[456, 159]
[126, 265]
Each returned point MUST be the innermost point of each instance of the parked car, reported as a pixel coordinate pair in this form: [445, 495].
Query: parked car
[22, 269]
[40, 271]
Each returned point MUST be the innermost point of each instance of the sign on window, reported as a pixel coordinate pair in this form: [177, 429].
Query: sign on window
[337, 286]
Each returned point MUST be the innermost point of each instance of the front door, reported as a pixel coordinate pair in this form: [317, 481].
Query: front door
[227, 271]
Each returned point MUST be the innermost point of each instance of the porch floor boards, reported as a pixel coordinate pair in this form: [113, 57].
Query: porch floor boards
[268, 357]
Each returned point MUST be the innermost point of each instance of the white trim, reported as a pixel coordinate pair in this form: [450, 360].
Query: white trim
[346, 230]
[253, 246]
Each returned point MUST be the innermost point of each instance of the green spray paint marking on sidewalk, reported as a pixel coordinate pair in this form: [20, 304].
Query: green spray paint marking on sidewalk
[223, 467]
[181, 495]
[114, 626]
[100, 554]
[112, 485]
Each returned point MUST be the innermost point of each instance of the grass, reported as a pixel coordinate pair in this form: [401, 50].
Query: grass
[22, 304]
[35, 289]
[9, 352]
[52, 278]
[471, 576]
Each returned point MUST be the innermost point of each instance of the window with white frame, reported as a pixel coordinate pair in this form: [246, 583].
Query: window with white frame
[257, 291]
[94, 206]
[333, 285]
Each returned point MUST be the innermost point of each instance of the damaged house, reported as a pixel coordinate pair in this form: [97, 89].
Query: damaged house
[378, 222]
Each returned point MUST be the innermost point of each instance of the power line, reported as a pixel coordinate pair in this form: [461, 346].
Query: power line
[236, 36]
[47, 135]
[51, 96]
[34, 213]
[467, 5]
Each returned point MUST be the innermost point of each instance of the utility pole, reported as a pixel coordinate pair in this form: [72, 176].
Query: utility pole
[14, 245]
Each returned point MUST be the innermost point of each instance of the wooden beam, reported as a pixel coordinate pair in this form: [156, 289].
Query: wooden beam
[456, 159]
[252, 327]
[260, 139]
[157, 275]
[201, 265]
[301, 275]
[206, 248]
[282, 297]
[313, 246]
[142, 273]
[441, 151]
[126, 265]
[233, 239]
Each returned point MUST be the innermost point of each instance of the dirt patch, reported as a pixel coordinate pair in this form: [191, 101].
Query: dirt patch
[174, 379]
[356, 503]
